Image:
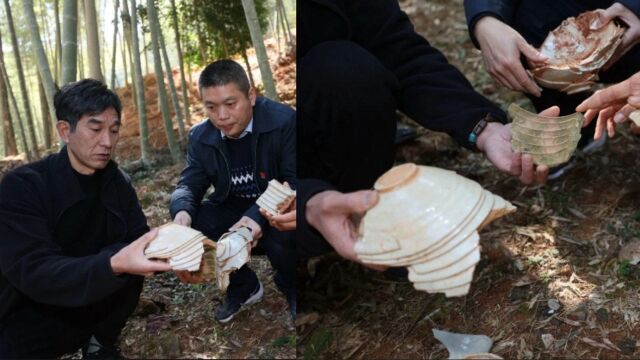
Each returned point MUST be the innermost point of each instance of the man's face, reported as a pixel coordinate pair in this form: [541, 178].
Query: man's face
[228, 108]
[91, 144]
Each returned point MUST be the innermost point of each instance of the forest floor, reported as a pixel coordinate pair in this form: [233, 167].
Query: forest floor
[561, 246]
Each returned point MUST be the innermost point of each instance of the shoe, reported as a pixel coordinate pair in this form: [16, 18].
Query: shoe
[591, 147]
[233, 304]
[404, 133]
[293, 307]
[594, 145]
[105, 352]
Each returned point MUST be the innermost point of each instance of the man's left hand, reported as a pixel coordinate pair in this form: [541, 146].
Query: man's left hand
[256, 230]
[282, 222]
[495, 142]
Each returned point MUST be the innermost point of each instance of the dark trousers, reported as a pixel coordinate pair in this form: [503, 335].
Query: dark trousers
[34, 330]
[346, 119]
[214, 220]
[534, 19]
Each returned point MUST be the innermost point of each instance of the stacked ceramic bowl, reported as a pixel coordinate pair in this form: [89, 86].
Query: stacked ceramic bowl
[428, 220]
[182, 246]
[233, 250]
[550, 140]
[576, 52]
[277, 198]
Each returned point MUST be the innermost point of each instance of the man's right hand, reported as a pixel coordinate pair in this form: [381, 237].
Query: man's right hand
[334, 215]
[501, 48]
[131, 258]
[182, 218]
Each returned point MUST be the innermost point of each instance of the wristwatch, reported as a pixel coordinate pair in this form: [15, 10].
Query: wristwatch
[479, 128]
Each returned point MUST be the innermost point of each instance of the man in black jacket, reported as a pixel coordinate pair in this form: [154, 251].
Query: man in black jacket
[358, 62]
[73, 236]
[245, 142]
[507, 31]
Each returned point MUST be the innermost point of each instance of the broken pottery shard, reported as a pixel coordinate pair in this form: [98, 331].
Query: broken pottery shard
[180, 245]
[635, 117]
[233, 250]
[277, 198]
[550, 140]
[428, 220]
[461, 345]
[576, 51]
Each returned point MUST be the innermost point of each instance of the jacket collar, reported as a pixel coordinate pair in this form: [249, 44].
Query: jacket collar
[67, 190]
[210, 135]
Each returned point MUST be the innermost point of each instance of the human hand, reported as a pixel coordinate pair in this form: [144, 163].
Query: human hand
[283, 222]
[495, 142]
[256, 230]
[613, 105]
[182, 218]
[336, 215]
[501, 48]
[631, 36]
[131, 259]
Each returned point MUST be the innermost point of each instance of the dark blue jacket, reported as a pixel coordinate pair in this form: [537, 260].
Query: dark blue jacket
[274, 153]
[33, 264]
[534, 19]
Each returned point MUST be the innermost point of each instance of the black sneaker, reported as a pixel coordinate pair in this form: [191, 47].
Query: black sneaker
[404, 133]
[589, 148]
[232, 305]
[293, 307]
[105, 352]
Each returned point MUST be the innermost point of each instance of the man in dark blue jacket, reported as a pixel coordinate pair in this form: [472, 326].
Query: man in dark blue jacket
[245, 142]
[73, 236]
[507, 31]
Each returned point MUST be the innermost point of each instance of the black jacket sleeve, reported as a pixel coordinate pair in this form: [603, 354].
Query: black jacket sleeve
[475, 10]
[433, 92]
[34, 264]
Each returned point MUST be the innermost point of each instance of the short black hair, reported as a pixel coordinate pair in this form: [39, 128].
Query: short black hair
[223, 72]
[84, 97]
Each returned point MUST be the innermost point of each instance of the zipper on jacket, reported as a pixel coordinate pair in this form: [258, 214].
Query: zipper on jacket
[226, 162]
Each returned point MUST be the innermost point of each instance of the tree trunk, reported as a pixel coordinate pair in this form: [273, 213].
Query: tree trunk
[183, 81]
[115, 47]
[154, 26]
[144, 52]
[202, 44]
[246, 62]
[286, 21]
[261, 52]
[8, 135]
[44, 114]
[172, 85]
[58, 74]
[145, 150]
[81, 37]
[127, 57]
[43, 65]
[70, 42]
[93, 41]
[19, 69]
[15, 114]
